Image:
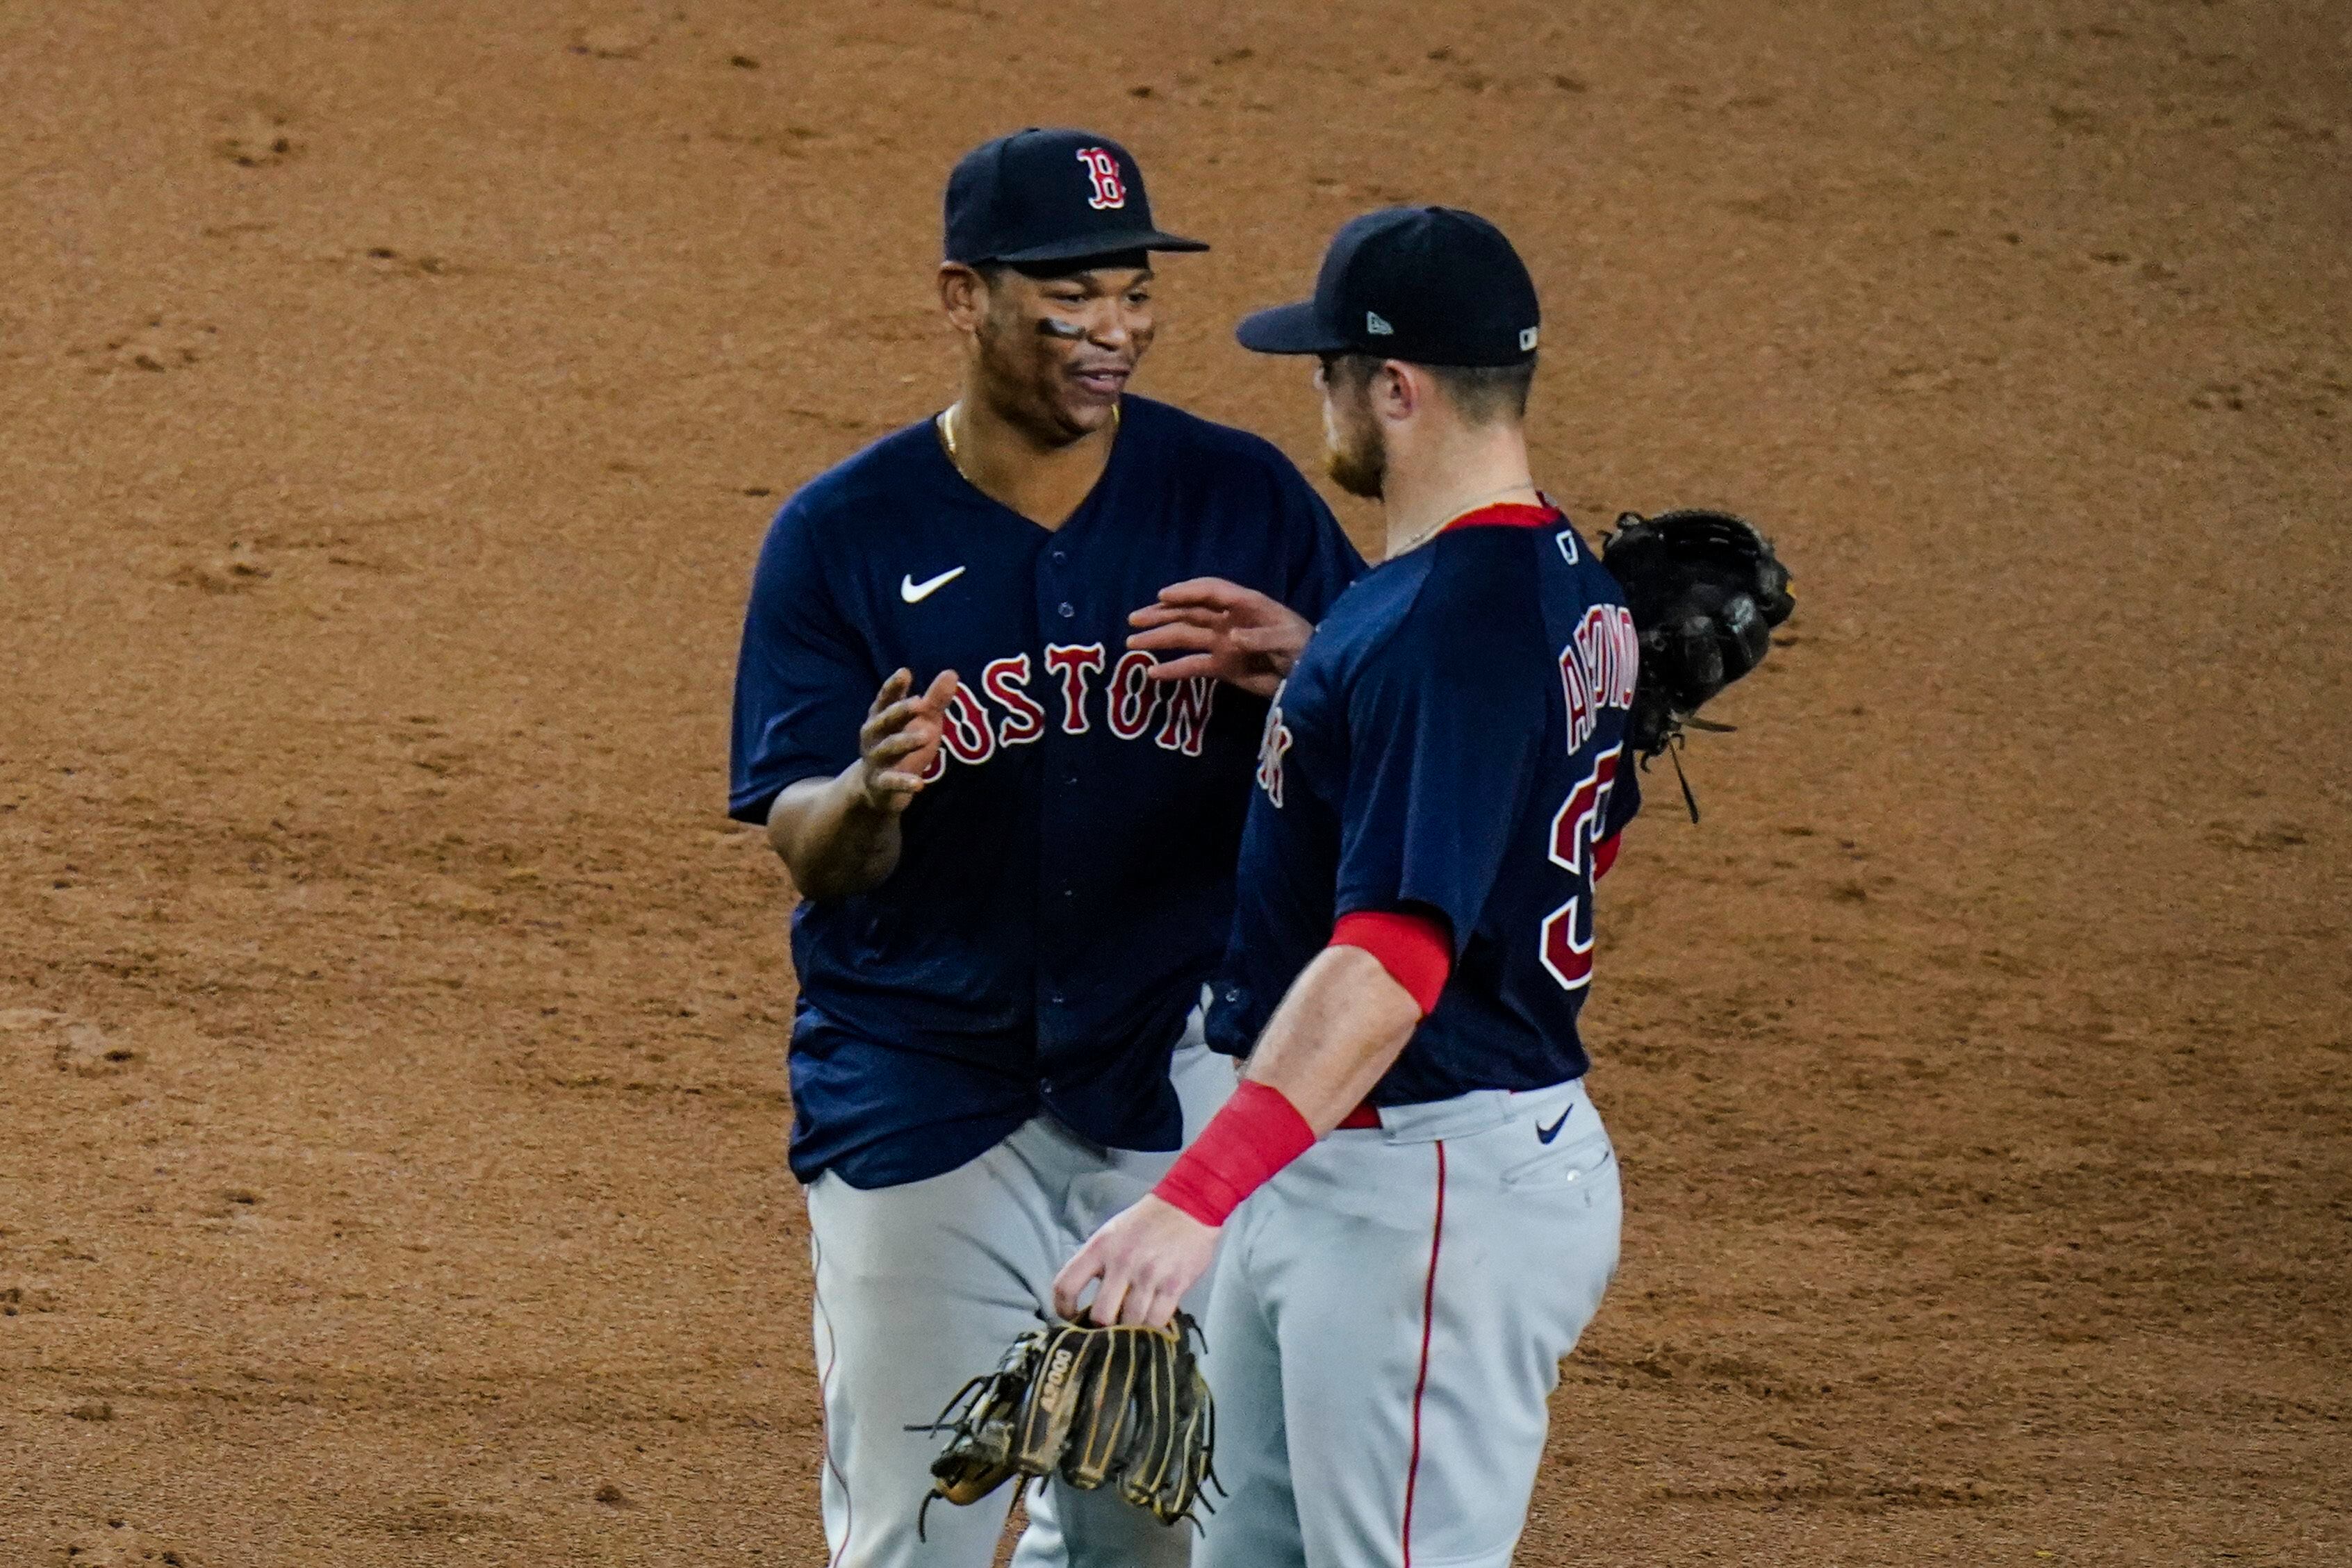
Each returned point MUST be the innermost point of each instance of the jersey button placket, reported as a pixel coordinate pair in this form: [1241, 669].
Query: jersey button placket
[1056, 931]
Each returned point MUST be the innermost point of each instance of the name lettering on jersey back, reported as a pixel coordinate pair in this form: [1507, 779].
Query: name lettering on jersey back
[1598, 668]
[1131, 702]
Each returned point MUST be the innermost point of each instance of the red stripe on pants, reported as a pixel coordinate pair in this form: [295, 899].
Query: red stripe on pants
[1428, 1317]
[825, 1387]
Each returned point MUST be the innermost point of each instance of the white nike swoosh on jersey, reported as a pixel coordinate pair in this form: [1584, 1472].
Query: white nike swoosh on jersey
[915, 592]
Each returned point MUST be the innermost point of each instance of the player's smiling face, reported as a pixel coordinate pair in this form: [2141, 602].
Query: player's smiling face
[1057, 352]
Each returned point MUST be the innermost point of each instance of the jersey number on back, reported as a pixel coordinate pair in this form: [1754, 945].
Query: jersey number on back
[1567, 930]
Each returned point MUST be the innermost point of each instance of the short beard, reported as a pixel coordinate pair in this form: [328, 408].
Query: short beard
[1360, 462]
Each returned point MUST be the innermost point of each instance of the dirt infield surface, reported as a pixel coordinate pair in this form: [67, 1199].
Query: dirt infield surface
[391, 401]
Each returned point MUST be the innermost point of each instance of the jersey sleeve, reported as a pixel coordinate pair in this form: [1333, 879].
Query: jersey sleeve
[1320, 562]
[1442, 742]
[803, 681]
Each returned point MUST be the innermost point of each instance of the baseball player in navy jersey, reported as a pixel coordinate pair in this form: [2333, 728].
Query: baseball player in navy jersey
[1417, 1203]
[1001, 680]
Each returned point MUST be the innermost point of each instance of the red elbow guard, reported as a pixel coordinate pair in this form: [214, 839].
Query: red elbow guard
[1413, 948]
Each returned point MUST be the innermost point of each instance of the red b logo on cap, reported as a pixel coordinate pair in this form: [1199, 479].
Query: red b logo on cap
[1103, 169]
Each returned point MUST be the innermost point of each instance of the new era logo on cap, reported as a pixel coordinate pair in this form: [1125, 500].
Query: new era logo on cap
[1376, 325]
[1527, 339]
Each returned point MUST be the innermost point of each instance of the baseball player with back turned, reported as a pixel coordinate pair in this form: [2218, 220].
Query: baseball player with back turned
[1001, 679]
[1418, 1204]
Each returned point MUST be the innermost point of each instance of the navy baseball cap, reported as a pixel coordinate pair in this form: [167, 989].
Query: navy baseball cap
[1431, 286]
[1050, 195]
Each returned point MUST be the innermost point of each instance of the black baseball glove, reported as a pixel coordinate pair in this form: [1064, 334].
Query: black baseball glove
[1125, 1405]
[1706, 590]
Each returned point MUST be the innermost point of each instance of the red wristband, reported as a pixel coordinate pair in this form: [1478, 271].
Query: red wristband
[1258, 1132]
[1413, 948]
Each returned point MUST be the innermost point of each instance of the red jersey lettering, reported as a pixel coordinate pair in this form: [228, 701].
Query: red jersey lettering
[1074, 661]
[1186, 725]
[1131, 695]
[966, 731]
[1007, 681]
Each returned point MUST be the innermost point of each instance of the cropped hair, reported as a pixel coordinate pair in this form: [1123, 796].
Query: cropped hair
[1481, 394]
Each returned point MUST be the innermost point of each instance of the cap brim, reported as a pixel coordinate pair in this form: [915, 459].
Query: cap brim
[1289, 330]
[1101, 245]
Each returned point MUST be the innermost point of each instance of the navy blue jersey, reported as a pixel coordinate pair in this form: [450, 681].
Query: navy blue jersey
[1450, 744]
[1066, 885]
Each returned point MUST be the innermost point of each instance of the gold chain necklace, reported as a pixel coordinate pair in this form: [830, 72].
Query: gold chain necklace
[944, 421]
[1427, 534]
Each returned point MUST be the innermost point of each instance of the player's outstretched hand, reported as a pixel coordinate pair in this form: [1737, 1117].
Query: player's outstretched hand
[1222, 629]
[900, 738]
[1147, 1257]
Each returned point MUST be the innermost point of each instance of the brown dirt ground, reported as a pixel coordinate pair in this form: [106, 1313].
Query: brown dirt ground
[391, 1101]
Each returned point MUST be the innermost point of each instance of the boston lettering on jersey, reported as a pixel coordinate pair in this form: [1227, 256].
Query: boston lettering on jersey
[1131, 705]
[1452, 743]
[1065, 882]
